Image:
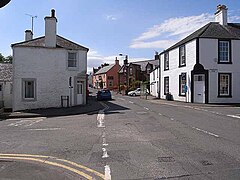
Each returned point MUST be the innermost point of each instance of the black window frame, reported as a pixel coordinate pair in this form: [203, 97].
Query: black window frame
[180, 57]
[166, 54]
[165, 89]
[229, 53]
[180, 84]
[229, 84]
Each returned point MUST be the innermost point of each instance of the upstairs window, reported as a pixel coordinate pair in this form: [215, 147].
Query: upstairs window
[224, 49]
[182, 56]
[166, 61]
[131, 71]
[72, 59]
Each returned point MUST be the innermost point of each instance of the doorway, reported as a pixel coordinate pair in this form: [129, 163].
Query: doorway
[199, 88]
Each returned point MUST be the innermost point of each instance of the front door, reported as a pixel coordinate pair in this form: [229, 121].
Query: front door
[199, 88]
[1, 95]
[79, 92]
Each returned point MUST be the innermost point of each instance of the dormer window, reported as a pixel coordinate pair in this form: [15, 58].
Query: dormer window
[182, 56]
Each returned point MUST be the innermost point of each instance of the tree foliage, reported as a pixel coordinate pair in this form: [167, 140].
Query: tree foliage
[7, 59]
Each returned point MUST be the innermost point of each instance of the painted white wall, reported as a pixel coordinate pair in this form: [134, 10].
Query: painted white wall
[174, 71]
[208, 57]
[154, 82]
[49, 67]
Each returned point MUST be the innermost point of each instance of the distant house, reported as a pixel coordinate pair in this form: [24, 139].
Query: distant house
[133, 72]
[48, 70]
[204, 67]
[154, 82]
[6, 85]
[106, 76]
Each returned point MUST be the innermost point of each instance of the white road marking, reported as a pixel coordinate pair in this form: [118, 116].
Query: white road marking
[159, 114]
[233, 116]
[209, 133]
[172, 119]
[146, 108]
[105, 154]
[131, 102]
[122, 99]
[45, 129]
[26, 121]
[107, 172]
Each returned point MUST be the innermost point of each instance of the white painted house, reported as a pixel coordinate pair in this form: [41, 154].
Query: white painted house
[5, 85]
[204, 67]
[154, 82]
[48, 69]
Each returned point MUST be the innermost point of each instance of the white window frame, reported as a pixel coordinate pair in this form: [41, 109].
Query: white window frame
[224, 86]
[77, 64]
[166, 85]
[34, 98]
[166, 61]
[224, 51]
[182, 56]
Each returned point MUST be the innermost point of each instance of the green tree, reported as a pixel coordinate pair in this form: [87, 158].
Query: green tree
[1, 58]
[8, 59]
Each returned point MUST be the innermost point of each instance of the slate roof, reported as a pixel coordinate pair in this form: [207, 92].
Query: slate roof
[104, 69]
[212, 30]
[6, 72]
[61, 43]
[143, 64]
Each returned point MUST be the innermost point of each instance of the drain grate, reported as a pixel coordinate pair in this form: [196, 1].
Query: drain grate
[206, 163]
[166, 159]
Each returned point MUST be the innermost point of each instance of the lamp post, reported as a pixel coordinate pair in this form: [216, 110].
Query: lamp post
[125, 69]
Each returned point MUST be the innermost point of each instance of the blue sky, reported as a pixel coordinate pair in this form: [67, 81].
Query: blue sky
[137, 28]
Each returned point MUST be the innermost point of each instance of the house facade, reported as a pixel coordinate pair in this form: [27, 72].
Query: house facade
[154, 82]
[6, 85]
[48, 70]
[106, 77]
[204, 67]
[130, 74]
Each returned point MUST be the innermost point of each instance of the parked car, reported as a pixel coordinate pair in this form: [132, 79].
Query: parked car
[104, 94]
[136, 92]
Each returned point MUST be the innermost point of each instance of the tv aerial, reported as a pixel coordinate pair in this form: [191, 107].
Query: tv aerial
[32, 18]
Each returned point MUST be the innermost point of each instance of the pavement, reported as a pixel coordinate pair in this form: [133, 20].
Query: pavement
[91, 107]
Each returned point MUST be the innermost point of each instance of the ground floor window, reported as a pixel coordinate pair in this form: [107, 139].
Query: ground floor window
[110, 83]
[182, 84]
[29, 89]
[224, 84]
[166, 85]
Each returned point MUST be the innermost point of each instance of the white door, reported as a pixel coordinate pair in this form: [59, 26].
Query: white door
[79, 92]
[199, 88]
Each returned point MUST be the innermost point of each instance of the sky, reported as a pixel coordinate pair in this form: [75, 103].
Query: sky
[137, 28]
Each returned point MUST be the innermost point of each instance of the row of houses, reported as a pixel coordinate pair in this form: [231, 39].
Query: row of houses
[48, 71]
[127, 77]
[203, 67]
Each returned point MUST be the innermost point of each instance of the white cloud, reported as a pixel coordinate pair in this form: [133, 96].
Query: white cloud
[111, 18]
[170, 31]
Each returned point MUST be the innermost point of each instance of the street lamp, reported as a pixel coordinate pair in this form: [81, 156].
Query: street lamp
[125, 70]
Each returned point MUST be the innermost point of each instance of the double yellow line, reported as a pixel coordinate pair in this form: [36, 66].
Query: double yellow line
[38, 158]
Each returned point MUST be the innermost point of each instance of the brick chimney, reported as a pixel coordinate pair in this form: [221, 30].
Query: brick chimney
[116, 61]
[51, 30]
[221, 14]
[28, 35]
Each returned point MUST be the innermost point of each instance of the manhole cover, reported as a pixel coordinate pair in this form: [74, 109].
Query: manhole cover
[166, 159]
[206, 163]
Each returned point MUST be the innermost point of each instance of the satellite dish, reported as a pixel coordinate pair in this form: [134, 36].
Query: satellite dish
[4, 3]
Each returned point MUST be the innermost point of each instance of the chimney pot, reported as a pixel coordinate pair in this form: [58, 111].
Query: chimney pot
[52, 13]
[221, 14]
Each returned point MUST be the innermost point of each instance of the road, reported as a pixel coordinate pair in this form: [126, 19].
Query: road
[130, 138]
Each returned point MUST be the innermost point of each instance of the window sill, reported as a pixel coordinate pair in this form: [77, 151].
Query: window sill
[224, 62]
[29, 99]
[166, 69]
[182, 95]
[224, 96]
[184, 65]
